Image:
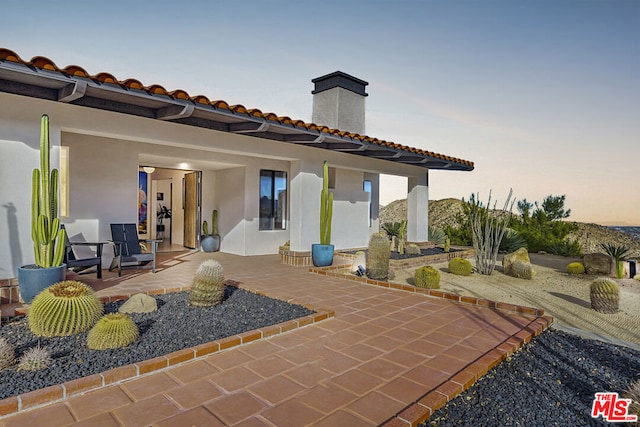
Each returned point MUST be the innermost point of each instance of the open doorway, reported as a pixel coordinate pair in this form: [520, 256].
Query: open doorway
[170, 218]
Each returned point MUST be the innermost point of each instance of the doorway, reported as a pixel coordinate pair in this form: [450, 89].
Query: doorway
[174, 208]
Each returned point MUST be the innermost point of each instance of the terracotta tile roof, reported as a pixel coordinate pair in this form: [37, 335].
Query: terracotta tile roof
[41, 62]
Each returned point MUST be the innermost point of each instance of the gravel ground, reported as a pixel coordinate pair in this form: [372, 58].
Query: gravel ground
[174, 326]
[550, 382]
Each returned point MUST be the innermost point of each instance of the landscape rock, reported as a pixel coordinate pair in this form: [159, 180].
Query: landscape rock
[139, 303]
[597, 263]
[509, 259]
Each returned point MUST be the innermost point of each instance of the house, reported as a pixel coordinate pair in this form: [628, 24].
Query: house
[113, 139]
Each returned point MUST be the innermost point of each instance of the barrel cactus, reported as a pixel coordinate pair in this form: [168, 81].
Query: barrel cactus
[113, 330]
[523, 270]
[378, 254]
[7, 354]
[575, 268]
[208, 284]
[427, 277]
[65, 308]
[413, 249]
[605, 297]
[35, 359]
[460, 267]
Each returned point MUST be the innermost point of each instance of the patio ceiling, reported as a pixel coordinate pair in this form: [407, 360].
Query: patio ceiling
[41, 78]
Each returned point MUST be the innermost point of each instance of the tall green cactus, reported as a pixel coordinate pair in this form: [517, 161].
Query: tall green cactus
[326, 208]
[47, 236]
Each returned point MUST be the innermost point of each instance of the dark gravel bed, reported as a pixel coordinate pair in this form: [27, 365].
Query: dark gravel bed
[550, 382]
[174, 326]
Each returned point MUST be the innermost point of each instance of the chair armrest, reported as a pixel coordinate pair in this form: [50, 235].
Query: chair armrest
[98, 246]
[117, 247]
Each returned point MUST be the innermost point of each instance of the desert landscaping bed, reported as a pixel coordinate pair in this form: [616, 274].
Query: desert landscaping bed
[173, 327]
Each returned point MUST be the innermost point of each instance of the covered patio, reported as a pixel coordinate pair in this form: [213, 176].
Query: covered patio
[374, 356]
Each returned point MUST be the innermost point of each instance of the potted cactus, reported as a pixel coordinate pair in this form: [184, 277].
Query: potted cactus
[47, 235]
[210, 242]
[322, 253]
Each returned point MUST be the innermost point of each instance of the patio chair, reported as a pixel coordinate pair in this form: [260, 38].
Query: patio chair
[79, 256]
[127, 250]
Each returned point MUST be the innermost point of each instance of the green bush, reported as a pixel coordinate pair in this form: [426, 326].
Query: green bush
[460, 267]
[427, 277]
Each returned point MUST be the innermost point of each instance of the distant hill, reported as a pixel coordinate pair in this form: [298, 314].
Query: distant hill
[442, 213]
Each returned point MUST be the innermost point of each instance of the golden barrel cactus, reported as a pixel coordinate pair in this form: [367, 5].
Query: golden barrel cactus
[64, 308]
[112, 331]
[605, 297]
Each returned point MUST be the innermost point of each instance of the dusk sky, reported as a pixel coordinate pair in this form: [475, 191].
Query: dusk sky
[543, 96]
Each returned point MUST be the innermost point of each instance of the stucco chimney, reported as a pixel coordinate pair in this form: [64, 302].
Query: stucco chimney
[338, 102]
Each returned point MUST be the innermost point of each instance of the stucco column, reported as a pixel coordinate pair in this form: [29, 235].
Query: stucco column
[418, 208]
[304, 208]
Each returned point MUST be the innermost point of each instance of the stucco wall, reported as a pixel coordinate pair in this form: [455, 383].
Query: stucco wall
[106, 149]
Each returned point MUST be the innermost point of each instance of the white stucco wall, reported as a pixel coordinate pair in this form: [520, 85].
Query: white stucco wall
[106, 149]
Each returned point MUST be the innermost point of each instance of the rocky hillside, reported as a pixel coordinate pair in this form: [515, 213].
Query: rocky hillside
[442, 213]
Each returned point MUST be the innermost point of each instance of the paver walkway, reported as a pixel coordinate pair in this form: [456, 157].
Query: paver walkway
[387, 357]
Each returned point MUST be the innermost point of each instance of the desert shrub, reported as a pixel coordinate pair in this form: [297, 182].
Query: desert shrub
[633, 393]
[7, 354]
[543, 226]
[65, 308]
[575, 268]
[427, 277]
[460, 267]
[604, 294]
[207, 288]
[35, 359]
[112, 331]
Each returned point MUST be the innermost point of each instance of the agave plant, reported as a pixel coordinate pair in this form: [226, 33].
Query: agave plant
[618, 253]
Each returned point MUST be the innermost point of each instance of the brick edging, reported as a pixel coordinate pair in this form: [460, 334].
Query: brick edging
[340, 273]
[422, 409]
[60, 392]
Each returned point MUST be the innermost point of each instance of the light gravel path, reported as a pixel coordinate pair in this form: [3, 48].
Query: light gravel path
[563, 296]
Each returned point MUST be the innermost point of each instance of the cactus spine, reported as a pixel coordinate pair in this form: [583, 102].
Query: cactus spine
[208, 284]
[47, 236]
[604, 295]
[7, 354]
[35, 359]
[326, 208]
[113, 330]
[427, 277]
[378, 257]
[460, 267]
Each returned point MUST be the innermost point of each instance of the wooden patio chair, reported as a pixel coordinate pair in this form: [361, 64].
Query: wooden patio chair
[127, 250]
[79, 257]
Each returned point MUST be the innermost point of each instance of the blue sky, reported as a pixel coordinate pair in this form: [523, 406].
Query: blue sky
[543, 96]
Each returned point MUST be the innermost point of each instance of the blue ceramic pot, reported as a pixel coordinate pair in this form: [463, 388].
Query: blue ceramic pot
[322, 255]
[210, 243]
[32, 279]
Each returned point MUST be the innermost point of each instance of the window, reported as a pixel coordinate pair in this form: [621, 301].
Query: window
[273, 200]
[367, 189]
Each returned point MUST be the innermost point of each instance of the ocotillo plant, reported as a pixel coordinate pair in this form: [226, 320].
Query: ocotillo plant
[47, 236]
[326, 208]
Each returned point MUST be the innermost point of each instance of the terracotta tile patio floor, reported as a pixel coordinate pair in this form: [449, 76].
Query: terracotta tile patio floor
[388, 357]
